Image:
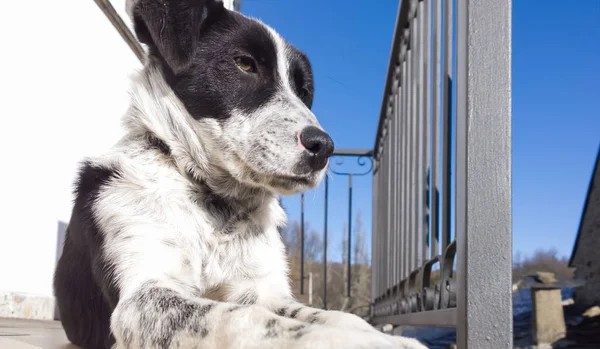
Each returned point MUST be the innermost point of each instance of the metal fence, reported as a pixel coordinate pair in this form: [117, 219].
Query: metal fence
[442, 177]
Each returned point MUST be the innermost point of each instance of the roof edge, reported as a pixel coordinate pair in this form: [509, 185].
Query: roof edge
[595, 171]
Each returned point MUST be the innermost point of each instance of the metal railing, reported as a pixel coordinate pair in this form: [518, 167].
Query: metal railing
[442, 239]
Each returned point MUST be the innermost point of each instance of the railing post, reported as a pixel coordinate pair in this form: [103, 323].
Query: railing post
[483, 174]
[349, 233]
[325, 244]
[302, 243]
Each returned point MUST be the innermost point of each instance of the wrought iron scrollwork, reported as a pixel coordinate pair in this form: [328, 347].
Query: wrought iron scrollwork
[365, 161]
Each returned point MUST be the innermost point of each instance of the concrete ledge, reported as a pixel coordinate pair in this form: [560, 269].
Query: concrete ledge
[26, 306]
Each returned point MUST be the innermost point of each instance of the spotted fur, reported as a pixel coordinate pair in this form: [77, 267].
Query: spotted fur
[174, 237]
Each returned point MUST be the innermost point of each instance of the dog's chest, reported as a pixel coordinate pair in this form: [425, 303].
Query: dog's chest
[225, 244]
[214, 241]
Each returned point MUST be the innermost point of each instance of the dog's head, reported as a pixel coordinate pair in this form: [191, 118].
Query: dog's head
[247, 89]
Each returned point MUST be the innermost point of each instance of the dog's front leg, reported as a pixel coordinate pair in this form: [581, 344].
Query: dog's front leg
[159, 317]
[155, 316]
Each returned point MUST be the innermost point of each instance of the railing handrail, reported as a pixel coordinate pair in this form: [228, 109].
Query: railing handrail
[352, 152]
[401, 22]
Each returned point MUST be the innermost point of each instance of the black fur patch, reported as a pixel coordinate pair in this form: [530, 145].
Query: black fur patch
[158, 144]
[176, 314]
[197, 42]
[83, 284]
[295, 312]
[314, 317]
[280, 311]
[227, 213]
[272, 327]
[297, 328]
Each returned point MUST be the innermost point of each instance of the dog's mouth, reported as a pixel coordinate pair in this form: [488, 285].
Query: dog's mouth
[304, 180]
[285, 182]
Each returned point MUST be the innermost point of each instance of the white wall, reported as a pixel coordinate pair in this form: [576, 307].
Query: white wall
[64, 77]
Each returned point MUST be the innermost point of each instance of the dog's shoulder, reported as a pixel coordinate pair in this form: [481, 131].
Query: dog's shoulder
[134, 174]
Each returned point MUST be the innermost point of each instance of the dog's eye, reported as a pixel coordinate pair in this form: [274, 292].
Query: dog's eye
[246, 64]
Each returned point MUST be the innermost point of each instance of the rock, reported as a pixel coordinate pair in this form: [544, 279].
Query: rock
[567, 302]
[387, 328]
[546, 277]
[592, 312]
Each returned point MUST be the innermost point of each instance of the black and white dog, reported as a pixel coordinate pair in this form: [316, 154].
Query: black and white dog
[173, 240]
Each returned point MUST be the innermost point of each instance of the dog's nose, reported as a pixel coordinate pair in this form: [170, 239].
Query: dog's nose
[318, 144]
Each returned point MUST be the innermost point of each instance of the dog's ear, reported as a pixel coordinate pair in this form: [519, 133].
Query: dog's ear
[171, 28]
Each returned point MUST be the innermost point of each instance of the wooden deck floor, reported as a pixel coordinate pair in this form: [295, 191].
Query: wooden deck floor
[32, 334]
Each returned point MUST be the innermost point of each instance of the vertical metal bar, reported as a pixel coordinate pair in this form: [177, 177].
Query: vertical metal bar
[390, 141]
[435, 154]
[405, 166]
[383, 210]
[325, 243]
[385, 207]
[393, 193]
[302, 243]
[408, 108]
[413, 139]
[379, 220]
[374, 232]
[382, 222]
[446, 139]
[427, 132]
[421, 169]
[397, 260]
[393, 139]
[400, 159]
[390, 195]
[483, 174]
[411, 118]
[349, 233]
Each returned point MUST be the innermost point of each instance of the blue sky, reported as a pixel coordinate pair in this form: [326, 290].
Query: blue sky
[556, 114]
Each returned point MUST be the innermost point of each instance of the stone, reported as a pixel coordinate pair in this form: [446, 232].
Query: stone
[546, 277]
[592, 312]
